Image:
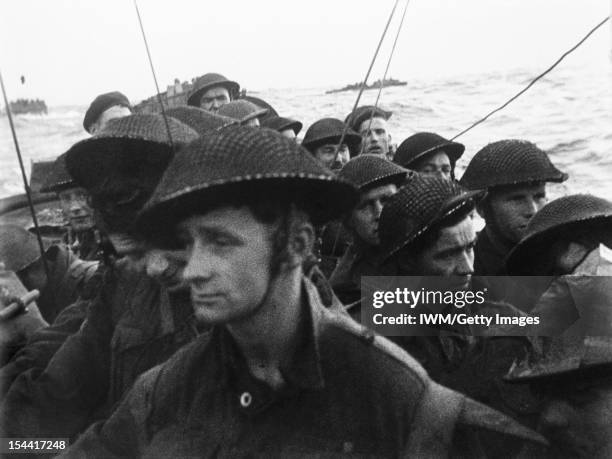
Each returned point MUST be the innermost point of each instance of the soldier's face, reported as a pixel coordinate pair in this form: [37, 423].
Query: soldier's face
[451, 255]
[326, 154]
[364, 219]
[513, 208]
[577, 422]
[374, 137]
[214, 98]
[228, 263]
[76, 208]
[436, 163]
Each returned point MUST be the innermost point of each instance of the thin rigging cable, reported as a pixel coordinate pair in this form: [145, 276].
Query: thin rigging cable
[337, 238]
[25, 180]
[380, 88]
[365, 80]
[501, 107]
[159, 99]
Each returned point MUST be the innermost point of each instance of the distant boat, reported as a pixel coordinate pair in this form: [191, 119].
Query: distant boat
[175, 95]
[356, 86]
[25, 106]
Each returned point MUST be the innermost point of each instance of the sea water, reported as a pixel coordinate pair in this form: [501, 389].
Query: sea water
[568, 113]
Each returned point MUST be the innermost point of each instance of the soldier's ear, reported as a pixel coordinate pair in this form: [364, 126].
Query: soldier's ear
[301, 242]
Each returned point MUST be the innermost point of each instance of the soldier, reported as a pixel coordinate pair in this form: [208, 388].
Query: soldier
[279, 375]
[69, 278]
[429, 153]
[514, 173]
[371, 124]
[19, 316]
[160, 265]
[133, 322]
[211, 91]
[569, 238]
[377, 180]
[286, 126]
[104, 108]
[322, 139]
[573, 377]
[427, 229]
[20, 253]
[83, 238]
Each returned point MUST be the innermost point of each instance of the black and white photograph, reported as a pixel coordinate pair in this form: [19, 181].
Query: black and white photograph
[286, 229]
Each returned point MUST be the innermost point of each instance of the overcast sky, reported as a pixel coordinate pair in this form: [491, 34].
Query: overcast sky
[71, 50]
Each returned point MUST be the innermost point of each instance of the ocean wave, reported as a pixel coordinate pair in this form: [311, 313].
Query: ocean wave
[568, 113]
[573, 145]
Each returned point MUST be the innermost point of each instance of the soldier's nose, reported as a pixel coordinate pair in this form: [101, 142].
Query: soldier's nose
[198, 269]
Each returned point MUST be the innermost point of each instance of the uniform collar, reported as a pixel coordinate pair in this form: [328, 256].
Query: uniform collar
[305, 370]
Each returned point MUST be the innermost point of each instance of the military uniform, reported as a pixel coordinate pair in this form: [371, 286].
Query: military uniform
[366, 172]
[346, 277]
[85, 244]
[133, 325]
[348, 392]
[357, 261]
[66, 282]
[572, 374]
[454, 356]
[473, 365]
[44, 343]
[505, 164]
[341, 391]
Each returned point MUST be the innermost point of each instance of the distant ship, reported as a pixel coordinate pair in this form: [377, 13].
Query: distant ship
[356, 86]
[25, 106]
[175, 95]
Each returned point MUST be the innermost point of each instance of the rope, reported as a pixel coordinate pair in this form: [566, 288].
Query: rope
[25, 181]
[380, 88]
[482, 120]
[337, 238]
[159, 99]
[365, 80]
